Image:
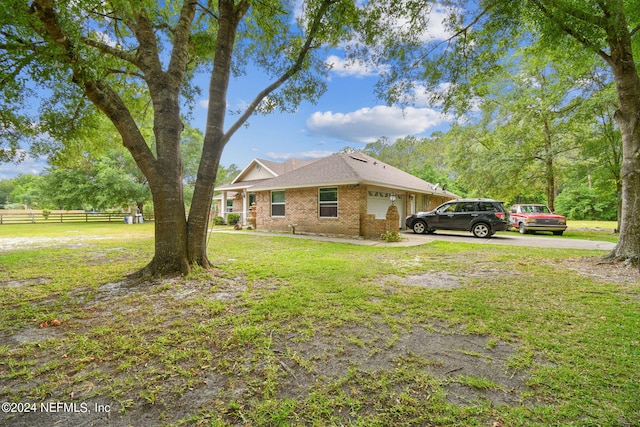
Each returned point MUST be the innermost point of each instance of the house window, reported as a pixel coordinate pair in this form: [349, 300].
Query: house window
[277, 203]
[229, 205]
[328, 202]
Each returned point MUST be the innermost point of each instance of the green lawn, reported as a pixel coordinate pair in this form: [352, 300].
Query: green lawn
[594, 225]
[586, 230]
[298, 332]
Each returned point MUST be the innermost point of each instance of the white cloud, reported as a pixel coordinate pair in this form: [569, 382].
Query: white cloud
[436, 28]
[416, 93]
[369, 124]
[433, 30]
[24, 164]
[431, 25]
[345, 68]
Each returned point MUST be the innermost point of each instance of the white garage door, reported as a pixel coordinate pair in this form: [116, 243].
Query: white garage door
[378, 202]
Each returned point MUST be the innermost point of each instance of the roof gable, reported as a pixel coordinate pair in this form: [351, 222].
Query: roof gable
[255, 170]
[260, 169]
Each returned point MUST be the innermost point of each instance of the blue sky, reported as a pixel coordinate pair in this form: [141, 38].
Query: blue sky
[348, 114]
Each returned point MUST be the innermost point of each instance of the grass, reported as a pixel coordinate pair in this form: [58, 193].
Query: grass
[585, 230]
[298, 332]
[593, 225]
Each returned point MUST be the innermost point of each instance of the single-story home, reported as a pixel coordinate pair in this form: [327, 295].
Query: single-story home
[343, 194]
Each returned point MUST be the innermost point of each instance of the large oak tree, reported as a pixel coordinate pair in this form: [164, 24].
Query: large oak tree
[129, 59]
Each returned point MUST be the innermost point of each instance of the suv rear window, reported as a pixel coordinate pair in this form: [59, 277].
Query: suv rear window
[486, 207]
[467, 207]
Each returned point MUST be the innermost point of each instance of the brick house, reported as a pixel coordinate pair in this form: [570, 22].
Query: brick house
[342, 194]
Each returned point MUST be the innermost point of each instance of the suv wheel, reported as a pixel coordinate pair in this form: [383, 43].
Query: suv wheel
[522, 229]
[481, 230]
[420, 227]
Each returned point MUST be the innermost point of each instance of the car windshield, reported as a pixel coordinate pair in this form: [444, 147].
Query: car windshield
[536, 209]
[447, 208]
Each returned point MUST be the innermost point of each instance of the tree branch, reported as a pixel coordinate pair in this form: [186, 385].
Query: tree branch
[316, 26]
[180, 53]
[457, 34]
[208, 11]
[101, 94]
[105, 48]
[540, 4]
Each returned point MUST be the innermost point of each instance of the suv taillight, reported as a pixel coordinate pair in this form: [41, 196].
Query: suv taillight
[500, 215]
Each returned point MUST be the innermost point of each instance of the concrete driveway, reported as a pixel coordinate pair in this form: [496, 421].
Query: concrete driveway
[512, 239]
[412, 239]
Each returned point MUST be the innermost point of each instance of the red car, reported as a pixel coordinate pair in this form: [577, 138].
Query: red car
[530, 218]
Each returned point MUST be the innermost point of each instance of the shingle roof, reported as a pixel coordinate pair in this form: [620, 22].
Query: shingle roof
[342, 169]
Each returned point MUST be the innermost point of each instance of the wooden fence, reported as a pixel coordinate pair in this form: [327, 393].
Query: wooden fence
[13, 217]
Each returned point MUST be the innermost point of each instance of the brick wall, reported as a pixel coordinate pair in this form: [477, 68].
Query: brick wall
[301, 208]
[372, 228]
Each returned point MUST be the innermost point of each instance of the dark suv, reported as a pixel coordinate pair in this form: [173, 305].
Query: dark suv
[483, 217]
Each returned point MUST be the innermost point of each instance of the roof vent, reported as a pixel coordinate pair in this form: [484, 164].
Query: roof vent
[359, 159]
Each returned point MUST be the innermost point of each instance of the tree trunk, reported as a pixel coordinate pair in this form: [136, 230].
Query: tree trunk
[215, 138]
[549, 170]
[201, 205]
[627, 117]
[171, 255]
[180, 243]
[171, 236]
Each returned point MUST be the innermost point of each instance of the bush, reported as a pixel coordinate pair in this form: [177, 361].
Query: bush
[582, 202]
[218, 220]
[233, 218]
[391, 236]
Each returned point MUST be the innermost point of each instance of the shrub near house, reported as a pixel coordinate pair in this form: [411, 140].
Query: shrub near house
[533, 217]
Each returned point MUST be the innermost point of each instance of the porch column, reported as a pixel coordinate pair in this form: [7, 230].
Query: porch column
[223, 207]
[245, 206]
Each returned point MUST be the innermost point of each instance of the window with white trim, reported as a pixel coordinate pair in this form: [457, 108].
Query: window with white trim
[328, 202]
[277, 203]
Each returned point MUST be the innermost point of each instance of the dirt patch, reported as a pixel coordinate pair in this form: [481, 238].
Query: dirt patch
[12, 243]
[447, 356]
[431, 280]
[603, 271]
[34, 334]
[25, 282]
